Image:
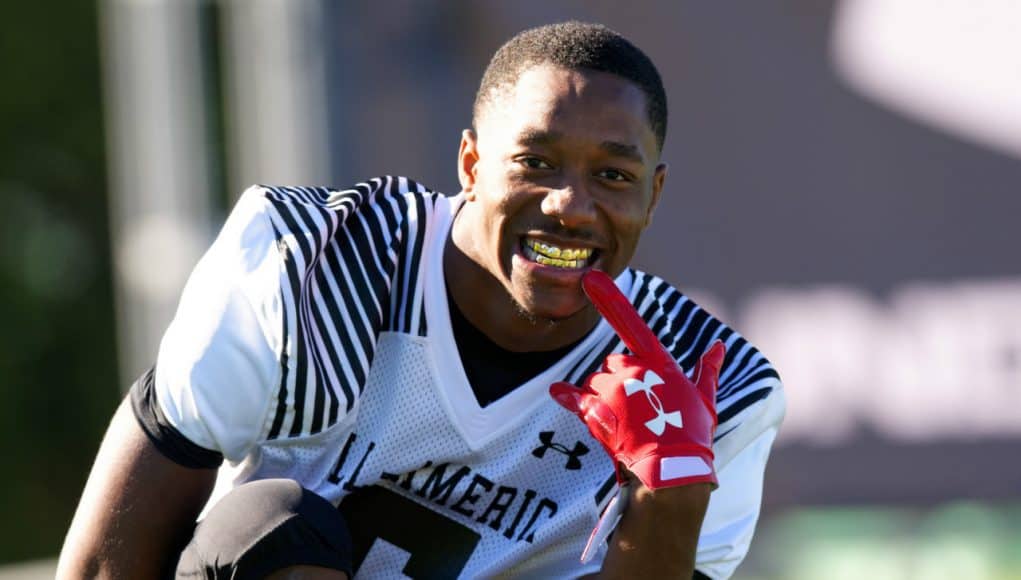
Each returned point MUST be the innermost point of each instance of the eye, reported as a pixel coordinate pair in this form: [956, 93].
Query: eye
[534, 163]
[614, 175]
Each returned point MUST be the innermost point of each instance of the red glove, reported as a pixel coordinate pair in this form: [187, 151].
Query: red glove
[643, 409]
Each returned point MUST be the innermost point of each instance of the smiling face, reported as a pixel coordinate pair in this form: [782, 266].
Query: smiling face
[562, 177]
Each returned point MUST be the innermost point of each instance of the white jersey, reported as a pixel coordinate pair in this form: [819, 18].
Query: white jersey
[313, 342]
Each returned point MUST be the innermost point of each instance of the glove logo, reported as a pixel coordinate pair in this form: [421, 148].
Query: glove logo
[657, 424]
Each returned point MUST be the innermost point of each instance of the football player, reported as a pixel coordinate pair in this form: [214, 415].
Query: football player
[358, 380]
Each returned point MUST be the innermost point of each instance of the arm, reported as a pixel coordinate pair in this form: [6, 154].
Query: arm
[658, 534]
[137, 510]
[215, 378]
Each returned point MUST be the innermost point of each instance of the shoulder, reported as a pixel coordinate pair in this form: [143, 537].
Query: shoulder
[377, 213]
[389, 192]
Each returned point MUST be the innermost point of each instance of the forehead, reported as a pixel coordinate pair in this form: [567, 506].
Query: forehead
[582, 104]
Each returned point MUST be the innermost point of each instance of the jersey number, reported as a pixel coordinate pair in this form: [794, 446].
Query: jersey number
[438, 546]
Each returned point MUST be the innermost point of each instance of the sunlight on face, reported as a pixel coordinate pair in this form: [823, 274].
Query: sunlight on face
[564, 179]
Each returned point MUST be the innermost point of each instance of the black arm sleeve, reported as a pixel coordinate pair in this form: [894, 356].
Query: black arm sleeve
[170, 442]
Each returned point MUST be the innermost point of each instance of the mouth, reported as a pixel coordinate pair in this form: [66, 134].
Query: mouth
[556, 256]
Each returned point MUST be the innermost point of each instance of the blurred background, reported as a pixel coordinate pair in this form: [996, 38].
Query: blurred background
[844, 188]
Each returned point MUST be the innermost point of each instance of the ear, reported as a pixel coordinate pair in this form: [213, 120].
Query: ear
[467, 158]
[658, 179]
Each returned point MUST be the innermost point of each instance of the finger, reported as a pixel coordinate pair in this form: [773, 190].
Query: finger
[622, 316]
[707, 371]
[568, 395]
[600, 418]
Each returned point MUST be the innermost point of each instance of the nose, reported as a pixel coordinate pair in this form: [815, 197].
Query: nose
[571, 205]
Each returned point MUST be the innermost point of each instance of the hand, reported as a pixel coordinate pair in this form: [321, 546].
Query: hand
[642, 408]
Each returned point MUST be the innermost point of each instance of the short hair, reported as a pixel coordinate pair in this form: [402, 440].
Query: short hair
[575, 45]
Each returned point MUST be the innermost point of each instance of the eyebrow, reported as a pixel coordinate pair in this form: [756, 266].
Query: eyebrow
[623, 150]
[538, 137]
[535, 137]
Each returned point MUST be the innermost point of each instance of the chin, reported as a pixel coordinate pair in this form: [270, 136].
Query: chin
[550, 311]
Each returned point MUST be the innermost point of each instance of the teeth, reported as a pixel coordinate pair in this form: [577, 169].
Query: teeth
[551, 251]
[550, 255]
[557, 262]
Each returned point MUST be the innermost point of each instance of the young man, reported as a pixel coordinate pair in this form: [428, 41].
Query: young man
[375, 366]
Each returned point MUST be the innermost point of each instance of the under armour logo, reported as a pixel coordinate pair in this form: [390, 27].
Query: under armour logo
[546, 438]
[657, 424]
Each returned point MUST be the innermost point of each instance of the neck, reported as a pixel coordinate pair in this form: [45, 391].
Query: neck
[489, 307]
